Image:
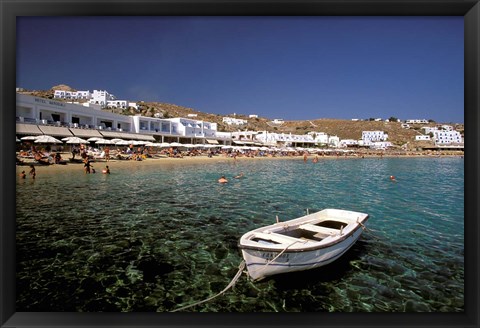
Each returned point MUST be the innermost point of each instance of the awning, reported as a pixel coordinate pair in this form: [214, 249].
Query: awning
[243, 142]
[112, 134]
[55, 131]
[212, 141]
[86, 133]
[145, 137]
[30, 129]
[127, 136]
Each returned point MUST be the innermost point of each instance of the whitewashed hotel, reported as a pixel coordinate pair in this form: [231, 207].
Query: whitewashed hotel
[373, 136]
[442, 137]
[35, 116]
[284, 139]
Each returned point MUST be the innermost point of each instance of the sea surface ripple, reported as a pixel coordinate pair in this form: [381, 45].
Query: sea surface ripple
[154, 238]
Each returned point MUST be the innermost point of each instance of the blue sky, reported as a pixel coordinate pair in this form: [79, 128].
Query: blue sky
[293, 68]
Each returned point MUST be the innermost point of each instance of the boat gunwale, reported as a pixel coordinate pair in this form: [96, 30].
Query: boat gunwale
[306, 248]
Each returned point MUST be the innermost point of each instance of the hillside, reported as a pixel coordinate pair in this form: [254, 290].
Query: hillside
[344, 129]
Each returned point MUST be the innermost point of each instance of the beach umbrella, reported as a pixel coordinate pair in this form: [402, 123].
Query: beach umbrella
[115, 140]
[75, 140]
[29, 138]
[151, 144]
[176, 144]
[93, 139]
[122, 143]
[164, 145]
[104, 142]
[47, 139]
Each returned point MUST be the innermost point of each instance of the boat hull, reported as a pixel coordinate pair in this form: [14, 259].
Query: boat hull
[265, 260]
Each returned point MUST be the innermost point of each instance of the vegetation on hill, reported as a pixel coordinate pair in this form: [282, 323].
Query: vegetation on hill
[344, 129]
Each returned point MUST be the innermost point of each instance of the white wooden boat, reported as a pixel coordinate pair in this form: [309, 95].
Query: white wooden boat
[301, 244]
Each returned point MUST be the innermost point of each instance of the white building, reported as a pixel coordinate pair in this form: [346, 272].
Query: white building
[73, 95]
[348, 143]
[447, 137]
[381, 145]
[98, 97]
[36, 110]
[234, 121]
[422, 138]
[281, 139]
[117, 104]
[417, 121]
[429, 129]
[373, 136]
[133, 105]
[37, 115]
[333, 141]
[253, 116]
[101, 97]
[319, 137]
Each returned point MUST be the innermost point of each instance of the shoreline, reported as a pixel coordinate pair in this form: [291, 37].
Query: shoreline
[115, 163]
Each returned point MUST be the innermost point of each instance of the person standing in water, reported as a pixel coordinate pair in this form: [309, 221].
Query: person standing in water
[32, 171]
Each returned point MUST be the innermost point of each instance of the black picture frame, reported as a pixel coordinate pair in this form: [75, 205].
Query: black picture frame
[10, 9]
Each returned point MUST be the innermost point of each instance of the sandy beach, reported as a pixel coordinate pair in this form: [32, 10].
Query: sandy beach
[98, 165]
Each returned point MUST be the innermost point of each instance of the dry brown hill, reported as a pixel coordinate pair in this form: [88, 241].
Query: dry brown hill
[344, 129]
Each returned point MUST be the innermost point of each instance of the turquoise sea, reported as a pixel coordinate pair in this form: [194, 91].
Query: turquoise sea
[157, 237]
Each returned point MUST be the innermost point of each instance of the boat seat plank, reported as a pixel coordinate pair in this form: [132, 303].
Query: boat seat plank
[322, 230]
[276, 237]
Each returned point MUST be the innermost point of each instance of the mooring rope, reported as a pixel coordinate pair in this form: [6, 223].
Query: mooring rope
[279, 254]
[230, 285]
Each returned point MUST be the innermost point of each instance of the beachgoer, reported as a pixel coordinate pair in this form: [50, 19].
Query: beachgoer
[74, 151]
[222, 179]
[32, 171]
[107, 153]
[106, 170]
[87, 165]
[239, 176]
[305, 157]
[392, 178]
[315, 160]
[58, 158]
[23, 175]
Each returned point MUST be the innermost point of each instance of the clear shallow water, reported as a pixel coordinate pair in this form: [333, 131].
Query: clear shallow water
[155, 238]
